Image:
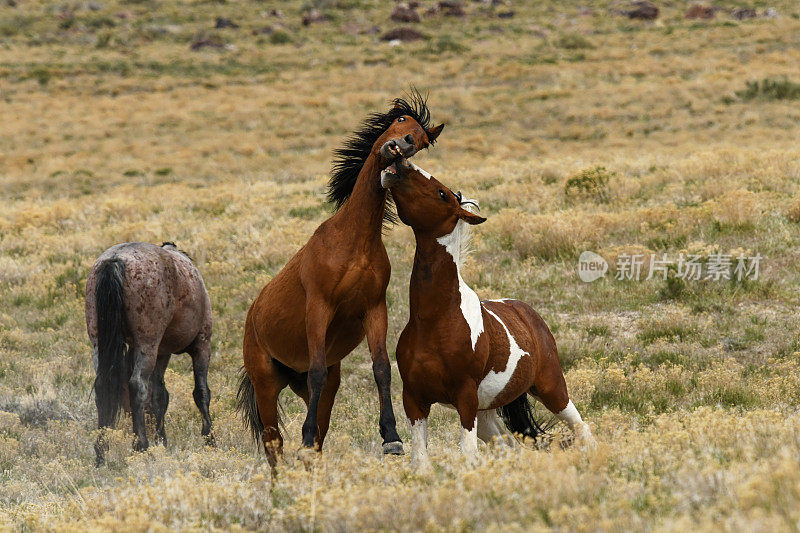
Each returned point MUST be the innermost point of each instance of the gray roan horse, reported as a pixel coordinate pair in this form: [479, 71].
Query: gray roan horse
[144, 303]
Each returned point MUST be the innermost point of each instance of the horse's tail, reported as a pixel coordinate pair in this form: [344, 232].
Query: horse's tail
[111, 323]
[519, 418]
[247, 406]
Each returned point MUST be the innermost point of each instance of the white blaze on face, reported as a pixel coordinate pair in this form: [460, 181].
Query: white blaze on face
[470, 303]
[494, 382]
[423, 172]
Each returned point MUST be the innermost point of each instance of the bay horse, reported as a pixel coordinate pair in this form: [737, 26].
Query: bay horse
[332, 293]
[145, 302]
[477, 356]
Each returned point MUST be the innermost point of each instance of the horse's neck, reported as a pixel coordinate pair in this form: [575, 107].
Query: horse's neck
[436, 283]
[363, 211]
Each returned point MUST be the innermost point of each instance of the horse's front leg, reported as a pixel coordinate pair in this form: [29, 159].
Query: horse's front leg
[376, 324]
[417, 413]
[318, 317]
[467, 407]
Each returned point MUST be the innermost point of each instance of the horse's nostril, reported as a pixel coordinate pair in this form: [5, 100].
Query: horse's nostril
[409, 139]
[392, 143]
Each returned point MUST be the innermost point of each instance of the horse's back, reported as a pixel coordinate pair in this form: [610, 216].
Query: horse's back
[528, 328]
[166, 302]
[521, 347]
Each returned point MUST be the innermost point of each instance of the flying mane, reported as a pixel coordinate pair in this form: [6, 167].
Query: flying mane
[350, 158]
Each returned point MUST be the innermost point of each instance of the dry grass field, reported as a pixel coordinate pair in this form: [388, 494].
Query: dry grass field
[114, 130]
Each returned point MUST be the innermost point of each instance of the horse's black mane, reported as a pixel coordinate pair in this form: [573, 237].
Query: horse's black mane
[349, 159]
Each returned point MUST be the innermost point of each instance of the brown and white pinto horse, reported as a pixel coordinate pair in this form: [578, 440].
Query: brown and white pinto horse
[478, 356]
[332, 293]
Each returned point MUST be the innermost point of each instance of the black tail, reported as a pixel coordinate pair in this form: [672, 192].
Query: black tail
[519, 419]
[247, 406]
[111, 348]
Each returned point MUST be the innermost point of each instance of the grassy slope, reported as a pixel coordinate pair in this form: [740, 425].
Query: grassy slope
[113, 130]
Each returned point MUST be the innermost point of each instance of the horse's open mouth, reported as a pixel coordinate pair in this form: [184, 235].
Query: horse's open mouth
[397, 148]
[394, 150]
[393, 173]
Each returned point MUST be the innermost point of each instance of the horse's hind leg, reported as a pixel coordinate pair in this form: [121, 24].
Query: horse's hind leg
[268, 379]
[489, 430]
[553, 395]
[201, 354]
[580, 429]
[159, 397]
[145, 357]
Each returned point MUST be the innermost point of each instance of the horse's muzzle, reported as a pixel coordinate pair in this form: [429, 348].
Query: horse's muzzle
[394, 173]
[401, 147]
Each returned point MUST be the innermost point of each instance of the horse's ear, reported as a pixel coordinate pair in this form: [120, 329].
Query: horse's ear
[470, 218]
[434, 132]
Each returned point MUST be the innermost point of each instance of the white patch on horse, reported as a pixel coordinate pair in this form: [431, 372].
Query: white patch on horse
[469, 441]
[570, 415]
[579, 428]
[457, 245]
[494, 382]
[419, 442]
[421, 171]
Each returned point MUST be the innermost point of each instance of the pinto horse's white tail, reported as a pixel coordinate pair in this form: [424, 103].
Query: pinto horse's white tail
[519, 418]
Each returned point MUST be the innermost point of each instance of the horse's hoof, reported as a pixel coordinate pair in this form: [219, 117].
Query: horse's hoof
[587, 443]
[393, 448]
[210, 441]
[100, 454]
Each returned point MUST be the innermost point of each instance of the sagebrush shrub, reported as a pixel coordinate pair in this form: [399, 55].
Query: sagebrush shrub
[770, 89]
[590, 183]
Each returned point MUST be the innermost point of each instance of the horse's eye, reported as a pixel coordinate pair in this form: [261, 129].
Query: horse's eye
[442, 195]
[401, 119]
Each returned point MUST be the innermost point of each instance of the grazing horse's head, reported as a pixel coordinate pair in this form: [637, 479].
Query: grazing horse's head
[424, 203]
